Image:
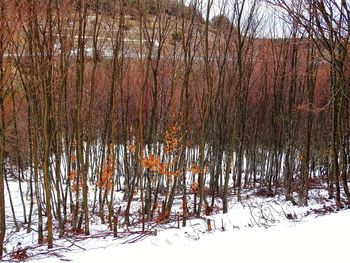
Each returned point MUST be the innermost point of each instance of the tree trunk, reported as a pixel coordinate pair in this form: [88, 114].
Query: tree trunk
[2, 163]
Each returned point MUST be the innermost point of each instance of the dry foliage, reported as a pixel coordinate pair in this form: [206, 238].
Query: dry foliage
[194, 188]
[131, 148]
[195, 169]
[173, 138]
[106, 177]
[152, 163]
[19, 255]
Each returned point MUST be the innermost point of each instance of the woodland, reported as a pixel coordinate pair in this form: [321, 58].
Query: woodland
[193, 100]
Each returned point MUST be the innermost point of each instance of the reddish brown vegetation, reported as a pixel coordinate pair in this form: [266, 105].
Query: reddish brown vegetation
[157, 100]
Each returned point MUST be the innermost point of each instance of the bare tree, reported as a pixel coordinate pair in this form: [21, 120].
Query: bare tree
[2, 126]
[328, 25]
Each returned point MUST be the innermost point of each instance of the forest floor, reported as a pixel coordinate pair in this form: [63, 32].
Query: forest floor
[256, 229]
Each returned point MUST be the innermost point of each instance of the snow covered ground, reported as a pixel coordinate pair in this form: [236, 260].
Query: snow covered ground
[256, 229]
[322, 239]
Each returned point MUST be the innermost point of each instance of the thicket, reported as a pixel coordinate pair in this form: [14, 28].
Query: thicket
[158, 100]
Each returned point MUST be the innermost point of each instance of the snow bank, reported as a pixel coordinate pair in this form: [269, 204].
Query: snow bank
[319, 239]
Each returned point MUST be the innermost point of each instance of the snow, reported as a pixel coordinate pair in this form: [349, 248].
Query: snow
[256, 229]
[316, 240]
